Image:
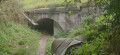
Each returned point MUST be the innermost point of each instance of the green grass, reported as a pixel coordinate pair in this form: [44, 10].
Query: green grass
[48, 50]
[16, 39]
[40, 3]
[43, 3]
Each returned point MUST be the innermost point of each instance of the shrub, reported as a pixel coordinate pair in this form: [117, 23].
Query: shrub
[95, 47]
[10, 10]
[100, 36]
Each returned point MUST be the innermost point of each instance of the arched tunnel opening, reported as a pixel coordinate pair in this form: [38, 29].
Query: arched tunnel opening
[45, 26]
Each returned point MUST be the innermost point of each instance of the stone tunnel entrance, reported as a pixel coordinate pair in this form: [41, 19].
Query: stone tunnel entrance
[46, 26]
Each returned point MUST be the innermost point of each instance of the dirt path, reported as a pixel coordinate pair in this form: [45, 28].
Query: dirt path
[42, 44]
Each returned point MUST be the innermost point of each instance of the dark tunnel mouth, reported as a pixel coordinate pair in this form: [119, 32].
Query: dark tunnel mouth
[45, 26]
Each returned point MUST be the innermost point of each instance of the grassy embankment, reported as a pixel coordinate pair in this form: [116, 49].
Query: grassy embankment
[44, 3]
[16, 38]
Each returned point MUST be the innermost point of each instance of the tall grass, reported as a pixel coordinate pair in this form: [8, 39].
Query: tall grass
[48, 50]
[15, 37]
[44, 3]
[11, 10]
[40, 3]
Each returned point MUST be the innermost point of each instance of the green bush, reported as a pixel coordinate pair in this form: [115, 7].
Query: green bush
[100, 36]
[95, 47]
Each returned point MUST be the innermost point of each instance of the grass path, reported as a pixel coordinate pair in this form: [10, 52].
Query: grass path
[42, 45]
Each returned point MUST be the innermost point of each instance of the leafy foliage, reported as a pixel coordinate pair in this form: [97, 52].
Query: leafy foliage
[101, 32]
[96, 32]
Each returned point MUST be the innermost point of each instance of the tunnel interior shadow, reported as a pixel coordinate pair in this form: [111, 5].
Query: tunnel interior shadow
[45, 26]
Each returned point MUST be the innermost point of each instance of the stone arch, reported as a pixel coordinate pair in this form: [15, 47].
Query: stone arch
[48, 26]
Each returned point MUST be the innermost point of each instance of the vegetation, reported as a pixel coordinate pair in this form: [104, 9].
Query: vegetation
[45, 3]
[60, 35]
[11, 11]
[16, 38]
[48, 49]
[101, 33]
